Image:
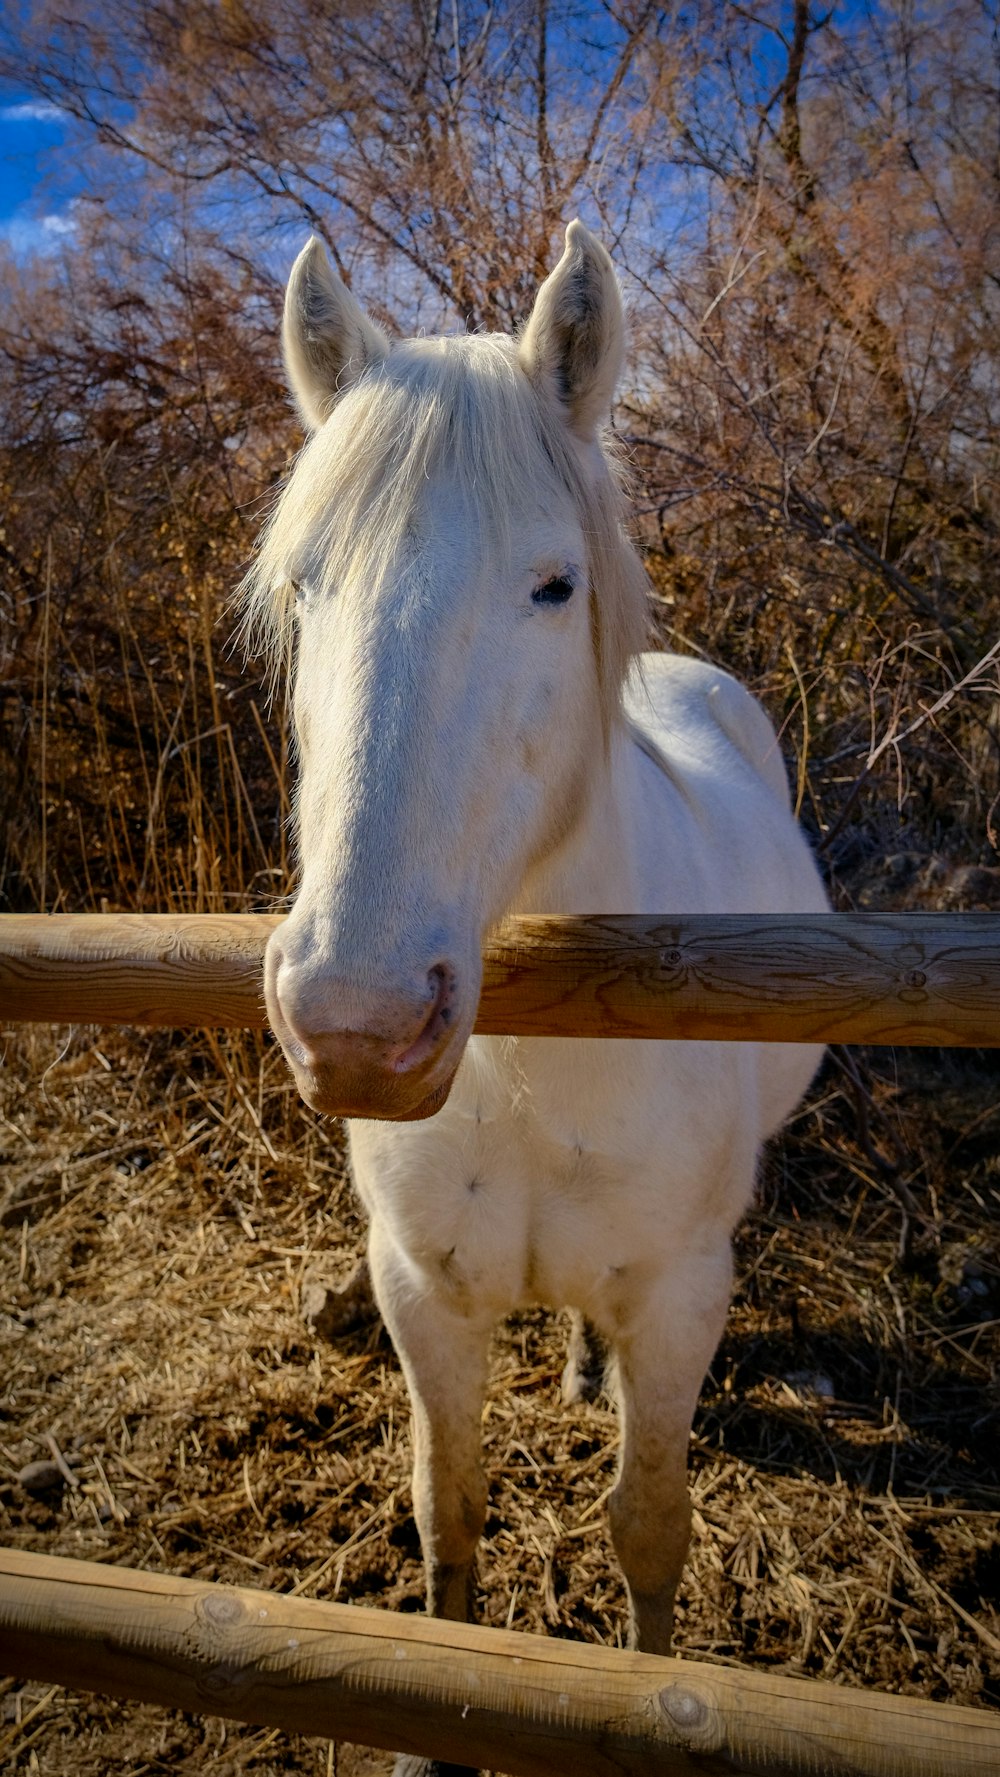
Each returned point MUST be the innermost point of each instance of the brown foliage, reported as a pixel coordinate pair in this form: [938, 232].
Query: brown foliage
[140, 425]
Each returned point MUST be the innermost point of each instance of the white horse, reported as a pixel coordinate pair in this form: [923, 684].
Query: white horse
[476, 737]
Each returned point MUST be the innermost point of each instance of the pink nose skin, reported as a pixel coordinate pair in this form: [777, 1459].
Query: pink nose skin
[392, 1061]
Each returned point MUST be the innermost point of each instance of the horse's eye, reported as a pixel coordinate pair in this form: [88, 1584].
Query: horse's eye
[300, 590]
[554, 592]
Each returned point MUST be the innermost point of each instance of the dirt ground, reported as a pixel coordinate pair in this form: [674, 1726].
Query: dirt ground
[163, 1201]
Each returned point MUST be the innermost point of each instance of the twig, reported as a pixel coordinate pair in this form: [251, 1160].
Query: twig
[60, 1461]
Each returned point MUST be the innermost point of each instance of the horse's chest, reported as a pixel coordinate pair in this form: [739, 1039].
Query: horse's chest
[497, 1215]
[562, 1173]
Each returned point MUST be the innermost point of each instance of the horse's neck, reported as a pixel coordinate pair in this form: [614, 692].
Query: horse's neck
[593, 869]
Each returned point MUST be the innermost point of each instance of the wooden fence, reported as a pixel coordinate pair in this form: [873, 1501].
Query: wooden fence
[522, 1704]
[838, 977]
[528, 1706]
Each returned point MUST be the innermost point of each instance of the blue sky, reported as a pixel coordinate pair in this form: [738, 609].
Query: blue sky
[37, 186]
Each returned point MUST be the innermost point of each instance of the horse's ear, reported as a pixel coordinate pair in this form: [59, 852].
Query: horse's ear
[326, 336]
[574, 342]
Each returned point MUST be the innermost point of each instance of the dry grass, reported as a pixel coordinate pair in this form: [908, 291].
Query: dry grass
[165, 1201]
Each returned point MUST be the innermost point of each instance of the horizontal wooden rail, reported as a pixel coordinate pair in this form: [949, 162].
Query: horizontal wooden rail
[839, 977]
[489, 1697]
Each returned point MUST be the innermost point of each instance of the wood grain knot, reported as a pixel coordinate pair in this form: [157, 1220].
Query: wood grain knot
[913, 989]
[221, 1610]
[685, 1709]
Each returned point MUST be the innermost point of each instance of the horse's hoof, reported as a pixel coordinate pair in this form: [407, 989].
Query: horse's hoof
[334, 1310]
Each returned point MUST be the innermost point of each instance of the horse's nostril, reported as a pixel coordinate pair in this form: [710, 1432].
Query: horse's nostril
[437, 1019]
[441, 983]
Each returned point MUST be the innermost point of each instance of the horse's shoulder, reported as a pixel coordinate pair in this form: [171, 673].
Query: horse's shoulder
[681, 693]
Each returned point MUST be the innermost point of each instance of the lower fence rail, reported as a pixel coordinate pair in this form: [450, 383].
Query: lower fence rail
[510, 1702]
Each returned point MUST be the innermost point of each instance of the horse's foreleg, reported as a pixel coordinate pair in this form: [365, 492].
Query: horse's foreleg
[444, 1359]
[661, 1362]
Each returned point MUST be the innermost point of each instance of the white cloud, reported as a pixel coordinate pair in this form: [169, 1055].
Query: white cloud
[27, 236]
[30, 111]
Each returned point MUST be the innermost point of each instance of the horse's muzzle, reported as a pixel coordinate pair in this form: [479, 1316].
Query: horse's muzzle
[392, 1056]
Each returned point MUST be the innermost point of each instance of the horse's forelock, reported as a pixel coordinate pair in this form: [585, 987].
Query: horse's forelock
[351, 498]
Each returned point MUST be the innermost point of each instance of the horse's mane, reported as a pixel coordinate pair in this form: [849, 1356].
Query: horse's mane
[349, 504]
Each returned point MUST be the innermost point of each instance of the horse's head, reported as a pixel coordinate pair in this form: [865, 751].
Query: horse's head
[448, 567]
